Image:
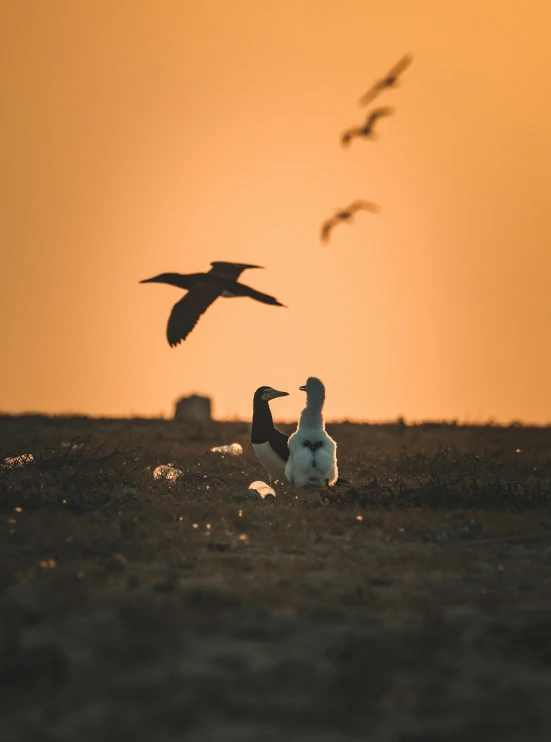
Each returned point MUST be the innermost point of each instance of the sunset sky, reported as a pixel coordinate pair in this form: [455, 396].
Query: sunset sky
[144, 136]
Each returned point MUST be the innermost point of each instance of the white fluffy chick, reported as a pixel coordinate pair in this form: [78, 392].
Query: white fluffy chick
[312, 452]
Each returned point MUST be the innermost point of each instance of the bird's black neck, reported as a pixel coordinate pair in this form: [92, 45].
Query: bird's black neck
[263, 422]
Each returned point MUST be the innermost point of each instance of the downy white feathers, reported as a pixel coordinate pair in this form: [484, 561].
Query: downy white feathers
[312, 452]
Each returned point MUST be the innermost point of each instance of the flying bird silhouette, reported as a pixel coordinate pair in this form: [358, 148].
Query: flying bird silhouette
[367, 129]
[345, 215]
[390, 80]
[203, 290]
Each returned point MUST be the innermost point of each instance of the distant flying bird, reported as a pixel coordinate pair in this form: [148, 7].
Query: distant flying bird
[367, 129]
[203, 290]
[390, 80]
[345, 215]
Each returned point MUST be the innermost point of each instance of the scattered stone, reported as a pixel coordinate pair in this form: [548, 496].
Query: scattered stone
[234, 449]
[18, 462]
[166, 471]
[263, 489]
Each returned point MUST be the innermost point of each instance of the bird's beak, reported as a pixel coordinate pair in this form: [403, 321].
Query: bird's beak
[150, 280]
[302, 388]
[279, 394]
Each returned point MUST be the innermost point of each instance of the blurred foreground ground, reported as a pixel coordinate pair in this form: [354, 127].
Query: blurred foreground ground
[412, 605]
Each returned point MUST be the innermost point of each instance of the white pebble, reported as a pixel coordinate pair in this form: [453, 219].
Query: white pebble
[234, 449]
[262, 488]
[18, 461]
[164, 471]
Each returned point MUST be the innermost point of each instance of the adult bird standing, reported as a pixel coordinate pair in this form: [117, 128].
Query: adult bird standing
[203, 290]
[269, 443]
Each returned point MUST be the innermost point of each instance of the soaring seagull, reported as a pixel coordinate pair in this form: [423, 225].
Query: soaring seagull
[367, 129]
[345, 215]
[203, 290]
[390, 80]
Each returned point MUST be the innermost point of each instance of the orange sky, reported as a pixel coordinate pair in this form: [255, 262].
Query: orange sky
[149, 136]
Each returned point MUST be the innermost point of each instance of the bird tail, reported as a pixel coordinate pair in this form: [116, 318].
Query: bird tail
[241, 289]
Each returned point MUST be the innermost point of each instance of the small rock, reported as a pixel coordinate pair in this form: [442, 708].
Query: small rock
[263, 489]
[234, 449]
[166, 471]
[17, 462]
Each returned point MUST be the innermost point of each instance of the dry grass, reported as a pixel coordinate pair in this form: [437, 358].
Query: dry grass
[411, 604]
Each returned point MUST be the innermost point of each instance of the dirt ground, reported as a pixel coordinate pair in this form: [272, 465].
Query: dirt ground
[412, 604]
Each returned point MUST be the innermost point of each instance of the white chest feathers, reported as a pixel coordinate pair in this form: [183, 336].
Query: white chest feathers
[312, 459]
[274, 464]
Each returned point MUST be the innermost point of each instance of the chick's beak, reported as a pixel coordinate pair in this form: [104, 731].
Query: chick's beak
[302, 388]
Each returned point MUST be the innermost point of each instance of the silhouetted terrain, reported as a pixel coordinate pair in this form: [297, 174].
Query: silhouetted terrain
[412, 604]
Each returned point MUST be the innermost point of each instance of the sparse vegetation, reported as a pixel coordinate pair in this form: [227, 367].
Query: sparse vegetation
[411, 604]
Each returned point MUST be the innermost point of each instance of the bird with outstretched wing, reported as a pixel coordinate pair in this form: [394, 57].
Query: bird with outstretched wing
[367, 129]
[203, 289]
[390, 80]
[345, 215]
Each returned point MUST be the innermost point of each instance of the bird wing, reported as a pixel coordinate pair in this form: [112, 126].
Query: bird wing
[230, 270]
[280, 443]
[400, 66]
[380, 85]
[377, 114]
[186, 312]
[347, 135]
[371, 94]
[365, 205]
[326, 228]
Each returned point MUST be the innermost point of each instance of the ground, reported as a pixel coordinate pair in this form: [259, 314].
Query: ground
[412, 604]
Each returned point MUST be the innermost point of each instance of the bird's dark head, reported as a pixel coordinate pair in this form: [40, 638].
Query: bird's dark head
[266, 393]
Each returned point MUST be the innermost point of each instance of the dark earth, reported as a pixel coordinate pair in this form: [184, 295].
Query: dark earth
[412, 604]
